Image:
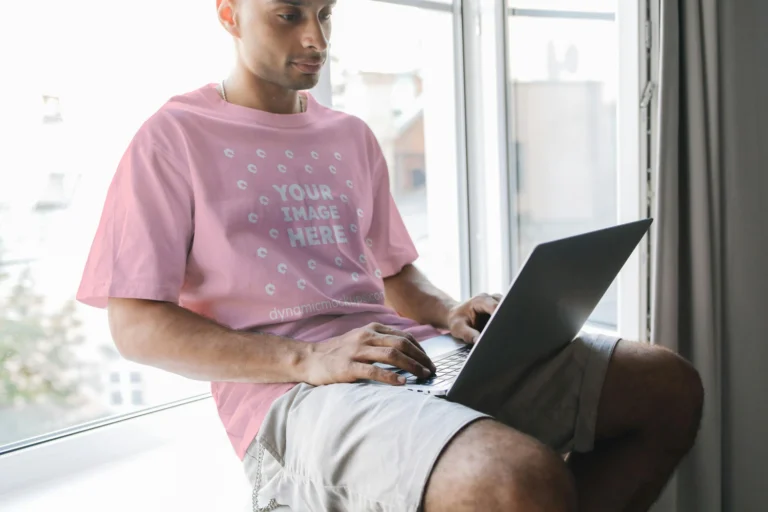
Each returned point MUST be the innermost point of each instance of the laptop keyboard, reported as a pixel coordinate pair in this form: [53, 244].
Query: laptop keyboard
[447, 369]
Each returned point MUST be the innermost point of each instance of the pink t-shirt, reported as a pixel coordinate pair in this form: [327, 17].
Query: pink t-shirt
[277, 223]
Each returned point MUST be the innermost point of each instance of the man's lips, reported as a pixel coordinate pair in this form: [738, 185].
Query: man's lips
[309, 67]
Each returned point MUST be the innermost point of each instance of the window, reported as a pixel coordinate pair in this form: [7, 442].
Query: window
[403, 86]
[137, 397]
[66, 117]
[51, 110]
[563, 125]
[503, 126]
[117, 398]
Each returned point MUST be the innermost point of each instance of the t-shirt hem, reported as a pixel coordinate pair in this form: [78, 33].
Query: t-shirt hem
[98, 295]
[395, 265]
[254, 426]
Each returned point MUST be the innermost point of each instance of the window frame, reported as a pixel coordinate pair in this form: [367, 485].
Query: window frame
[634, 165]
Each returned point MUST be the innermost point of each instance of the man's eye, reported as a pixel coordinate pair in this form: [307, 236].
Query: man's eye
[289, 17]
[326, 17]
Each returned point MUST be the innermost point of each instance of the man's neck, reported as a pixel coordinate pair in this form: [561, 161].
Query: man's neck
[247, 90]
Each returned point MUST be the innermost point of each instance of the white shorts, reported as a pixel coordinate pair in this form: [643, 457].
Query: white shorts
[361, 447]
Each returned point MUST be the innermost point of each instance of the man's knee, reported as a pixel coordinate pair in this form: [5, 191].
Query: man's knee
[653, 390]
[492, 467]
[675, 399]
[685, 399]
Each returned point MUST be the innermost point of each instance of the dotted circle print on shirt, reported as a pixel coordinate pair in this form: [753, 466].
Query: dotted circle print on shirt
[302, 202]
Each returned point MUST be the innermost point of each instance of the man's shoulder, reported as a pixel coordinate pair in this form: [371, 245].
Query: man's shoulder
[352, 128]
[181, 107]
[344, 119]
[189, 116]
[170, 123]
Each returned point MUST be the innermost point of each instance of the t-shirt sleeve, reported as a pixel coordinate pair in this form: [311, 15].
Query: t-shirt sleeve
[143, 238]
[390, 242]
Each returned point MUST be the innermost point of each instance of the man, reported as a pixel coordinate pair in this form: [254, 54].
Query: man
[249, 239]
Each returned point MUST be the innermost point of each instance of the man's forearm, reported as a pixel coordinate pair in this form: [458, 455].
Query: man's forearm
[412, 295]
[171, 338]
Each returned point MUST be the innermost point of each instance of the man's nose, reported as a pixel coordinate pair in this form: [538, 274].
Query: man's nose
[315, 37]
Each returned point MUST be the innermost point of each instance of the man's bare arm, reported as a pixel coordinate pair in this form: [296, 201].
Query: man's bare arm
[174, 339]
[166, 336]
[412, 295]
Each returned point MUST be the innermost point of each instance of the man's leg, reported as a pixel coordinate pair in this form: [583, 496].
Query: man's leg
[648, 418]
[491, 467]
[362, 448]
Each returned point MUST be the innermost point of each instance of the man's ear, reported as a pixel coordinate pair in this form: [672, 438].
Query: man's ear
[226, 12]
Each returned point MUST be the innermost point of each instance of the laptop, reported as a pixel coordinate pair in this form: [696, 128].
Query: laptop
[544, 309]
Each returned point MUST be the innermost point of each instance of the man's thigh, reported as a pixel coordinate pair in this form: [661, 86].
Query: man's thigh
[350, 447]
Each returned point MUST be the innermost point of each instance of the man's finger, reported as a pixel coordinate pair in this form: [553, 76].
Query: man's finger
[370, 372]
[485, 304]
[405, 346]
[385, 329]
[394, 357]
[465, 332]
[498, 297]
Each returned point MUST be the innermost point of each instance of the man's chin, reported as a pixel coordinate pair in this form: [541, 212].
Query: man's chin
[305, 83]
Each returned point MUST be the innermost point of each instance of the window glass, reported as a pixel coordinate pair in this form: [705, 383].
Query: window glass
[73, 94]
[403, 87]
[563, 77]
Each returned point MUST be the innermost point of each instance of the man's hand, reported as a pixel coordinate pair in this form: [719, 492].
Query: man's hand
[463, 318]
[349, 357]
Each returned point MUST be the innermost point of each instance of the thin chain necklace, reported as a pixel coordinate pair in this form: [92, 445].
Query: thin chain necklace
[223, 93]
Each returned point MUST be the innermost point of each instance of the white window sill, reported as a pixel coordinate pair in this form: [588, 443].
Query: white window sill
[175, 459]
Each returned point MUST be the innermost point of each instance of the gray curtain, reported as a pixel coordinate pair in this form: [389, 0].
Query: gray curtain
[711, 262]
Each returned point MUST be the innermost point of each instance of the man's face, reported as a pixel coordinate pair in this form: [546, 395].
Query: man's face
[284, 42]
